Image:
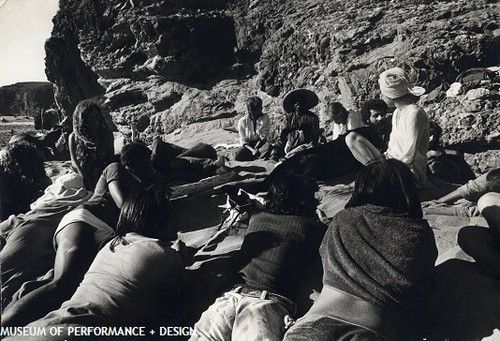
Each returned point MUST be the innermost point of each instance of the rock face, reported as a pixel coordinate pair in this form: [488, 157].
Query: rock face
[192, 63]
[26, 99]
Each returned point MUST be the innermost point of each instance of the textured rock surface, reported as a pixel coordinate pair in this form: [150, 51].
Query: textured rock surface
[183, 63]
[26, 99]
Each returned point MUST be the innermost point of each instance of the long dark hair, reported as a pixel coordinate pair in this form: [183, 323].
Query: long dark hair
[145, 213]
[90, 143]
[387, 183]
[292, 194]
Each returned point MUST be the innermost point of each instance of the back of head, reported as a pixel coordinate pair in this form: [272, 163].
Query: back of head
[395, 84]
[136, 155]
[337, 112]
[292, 194]
[493, 178]
[146, 213]
[387, 183]
[88, 120]
[23, 160]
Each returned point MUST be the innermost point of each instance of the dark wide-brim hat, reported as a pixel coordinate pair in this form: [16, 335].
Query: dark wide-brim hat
[307, 99]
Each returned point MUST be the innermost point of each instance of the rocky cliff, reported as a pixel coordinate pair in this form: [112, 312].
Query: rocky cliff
[188, 65]
[26, 98]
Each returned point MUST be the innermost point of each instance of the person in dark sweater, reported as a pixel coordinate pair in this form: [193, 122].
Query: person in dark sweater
[279, 250]
[378, 261]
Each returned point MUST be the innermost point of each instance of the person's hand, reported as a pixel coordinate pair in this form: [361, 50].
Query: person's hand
[433, 203]
[256, 153]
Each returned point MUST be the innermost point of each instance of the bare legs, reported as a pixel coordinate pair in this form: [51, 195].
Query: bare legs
[362, 149]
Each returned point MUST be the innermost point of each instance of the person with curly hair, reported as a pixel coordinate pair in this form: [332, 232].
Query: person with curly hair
[91, 142]
[81, 232]
[22, 178]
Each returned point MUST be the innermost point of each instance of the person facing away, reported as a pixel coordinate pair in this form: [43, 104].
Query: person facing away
[378, 258]
[135, 278]
[81, 232]
[253, 129]
[91, 144]
[409, 138]
[343, 120]
[22, 178]
[279, 250]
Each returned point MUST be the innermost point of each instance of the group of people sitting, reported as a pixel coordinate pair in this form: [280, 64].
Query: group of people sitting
[97, 247]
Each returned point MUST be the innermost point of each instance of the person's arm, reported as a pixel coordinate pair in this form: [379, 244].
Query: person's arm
[118, 192]
[72, 153]
[451, 197]
[74, 255]
[242, 132]
[263, 131]
[472, 190]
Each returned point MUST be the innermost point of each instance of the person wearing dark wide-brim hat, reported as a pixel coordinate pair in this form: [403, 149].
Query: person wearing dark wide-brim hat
[301, 126]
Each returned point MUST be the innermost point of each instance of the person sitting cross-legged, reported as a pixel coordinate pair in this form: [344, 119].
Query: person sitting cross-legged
[253, 129]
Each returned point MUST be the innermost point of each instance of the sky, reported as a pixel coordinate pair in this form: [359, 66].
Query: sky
[24, 27]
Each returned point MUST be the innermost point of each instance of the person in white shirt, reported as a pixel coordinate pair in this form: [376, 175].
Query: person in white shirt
[342, 120]
[409, 138]
[253, 130]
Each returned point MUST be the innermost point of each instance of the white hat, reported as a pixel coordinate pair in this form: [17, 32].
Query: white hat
[394, 83]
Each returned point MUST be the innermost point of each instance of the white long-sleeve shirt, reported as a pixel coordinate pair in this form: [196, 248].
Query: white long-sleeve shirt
[409, 139]
[249, 133]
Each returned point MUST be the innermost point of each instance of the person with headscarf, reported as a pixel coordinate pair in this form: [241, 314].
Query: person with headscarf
[409, 138]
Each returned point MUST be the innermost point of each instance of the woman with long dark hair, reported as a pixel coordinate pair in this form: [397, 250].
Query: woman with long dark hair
[83, 230]
[378, 257]
[91, 142]
[135, 278]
